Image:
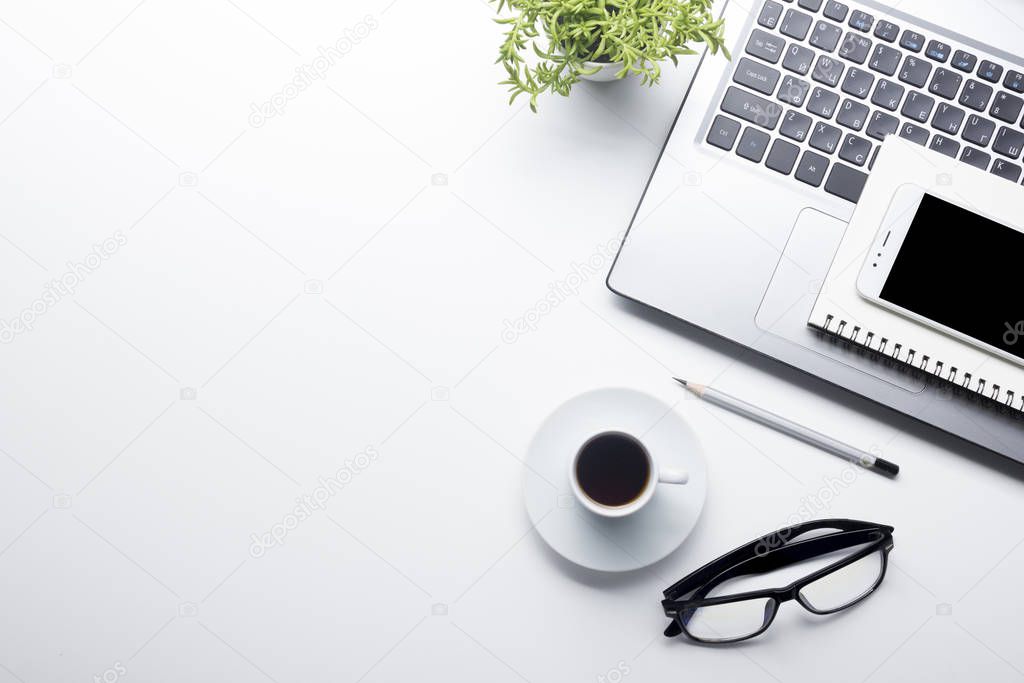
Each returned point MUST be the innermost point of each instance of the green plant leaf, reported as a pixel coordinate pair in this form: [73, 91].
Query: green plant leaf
[564, 35]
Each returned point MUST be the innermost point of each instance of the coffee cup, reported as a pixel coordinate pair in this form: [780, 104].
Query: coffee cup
[613, 474]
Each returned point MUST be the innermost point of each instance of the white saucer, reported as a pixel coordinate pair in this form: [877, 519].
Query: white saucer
[613, 545]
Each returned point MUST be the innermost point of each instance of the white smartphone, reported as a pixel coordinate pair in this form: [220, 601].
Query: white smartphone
[946, 265]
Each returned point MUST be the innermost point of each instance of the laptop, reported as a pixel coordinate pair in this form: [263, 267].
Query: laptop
[754, 187]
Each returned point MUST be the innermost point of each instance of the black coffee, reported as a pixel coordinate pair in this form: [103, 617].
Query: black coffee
[612, 469]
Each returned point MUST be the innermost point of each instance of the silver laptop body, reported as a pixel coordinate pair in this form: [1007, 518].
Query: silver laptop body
[736, 230]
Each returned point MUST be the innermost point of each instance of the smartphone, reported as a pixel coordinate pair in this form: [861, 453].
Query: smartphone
[948, 266]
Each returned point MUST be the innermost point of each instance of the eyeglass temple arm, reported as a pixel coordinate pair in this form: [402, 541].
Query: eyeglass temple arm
[793, 554]
[771, 544]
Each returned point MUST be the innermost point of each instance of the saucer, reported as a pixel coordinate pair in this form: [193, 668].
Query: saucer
[599, 543]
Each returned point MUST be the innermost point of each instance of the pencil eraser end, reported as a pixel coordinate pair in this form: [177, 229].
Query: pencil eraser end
[886, 467]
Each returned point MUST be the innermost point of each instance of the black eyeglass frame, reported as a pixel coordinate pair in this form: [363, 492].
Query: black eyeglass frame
[767, 554]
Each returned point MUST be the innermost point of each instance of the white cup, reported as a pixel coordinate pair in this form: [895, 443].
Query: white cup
[655, 475]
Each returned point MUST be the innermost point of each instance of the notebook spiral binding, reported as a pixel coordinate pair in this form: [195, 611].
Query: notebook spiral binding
[933, 367]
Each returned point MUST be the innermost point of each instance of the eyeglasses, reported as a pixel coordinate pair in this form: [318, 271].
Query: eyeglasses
[863, 548]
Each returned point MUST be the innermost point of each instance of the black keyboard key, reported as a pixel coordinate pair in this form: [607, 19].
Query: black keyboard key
[723, 132]
[855, 47]
[846, 182]
[912, 41]
[1009, 142]
[836, 11]
[964, 61]
[862, 21]
[855, 149]
[858, 83]
[751, 108]
[826, 36]
[915, 71]
[888, 95]
[812, 5]
[874, 156]
[853, 115]
[1004, 169]
[887, 31]
[948, 118]
[828, 71]
[976, 95]
[756, 76]
[798, 59]
[918, 107]
[885, 59]
[976, 158]
[765, 46]
[825, 137]
[882, 124]
[990, 71]
[793, 91]
[978, 130]
[938, 51]
[770, 13]
[944, 145]
[823, 103]
[812, 169]
[1014, 81]
[945, 83]
[753, 144]
[795, 125]
[796, 24]
[783, 157]
[914, 133]
[1006, 107]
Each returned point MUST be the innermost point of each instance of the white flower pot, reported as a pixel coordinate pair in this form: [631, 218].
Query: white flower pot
[606, 73]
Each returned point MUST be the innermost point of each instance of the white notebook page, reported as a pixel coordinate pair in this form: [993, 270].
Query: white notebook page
[841, 310]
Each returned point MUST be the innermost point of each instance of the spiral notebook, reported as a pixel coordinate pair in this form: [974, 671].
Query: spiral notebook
[842, 313]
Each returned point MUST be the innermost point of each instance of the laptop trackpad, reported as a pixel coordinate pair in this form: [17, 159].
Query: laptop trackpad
[794, 288]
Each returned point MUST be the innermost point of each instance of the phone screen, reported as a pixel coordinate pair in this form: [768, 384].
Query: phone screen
[963, 271]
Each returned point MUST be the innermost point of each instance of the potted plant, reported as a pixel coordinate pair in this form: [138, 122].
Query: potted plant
[599, 40]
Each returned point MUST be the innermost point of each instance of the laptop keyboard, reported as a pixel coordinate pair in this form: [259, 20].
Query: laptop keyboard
[820, 83]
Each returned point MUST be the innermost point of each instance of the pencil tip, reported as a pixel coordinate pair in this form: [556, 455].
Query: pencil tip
[681, 381]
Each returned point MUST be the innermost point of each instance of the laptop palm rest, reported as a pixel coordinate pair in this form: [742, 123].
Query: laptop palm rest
[790, 296]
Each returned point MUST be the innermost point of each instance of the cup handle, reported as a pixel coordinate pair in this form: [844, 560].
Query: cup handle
[670, 476]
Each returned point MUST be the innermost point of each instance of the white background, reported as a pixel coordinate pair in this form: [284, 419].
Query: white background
[196, 382]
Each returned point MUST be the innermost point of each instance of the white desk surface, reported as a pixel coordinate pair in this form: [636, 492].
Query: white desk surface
[190, 389]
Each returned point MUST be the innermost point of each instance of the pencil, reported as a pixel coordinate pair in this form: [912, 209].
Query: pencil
[799, 432]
